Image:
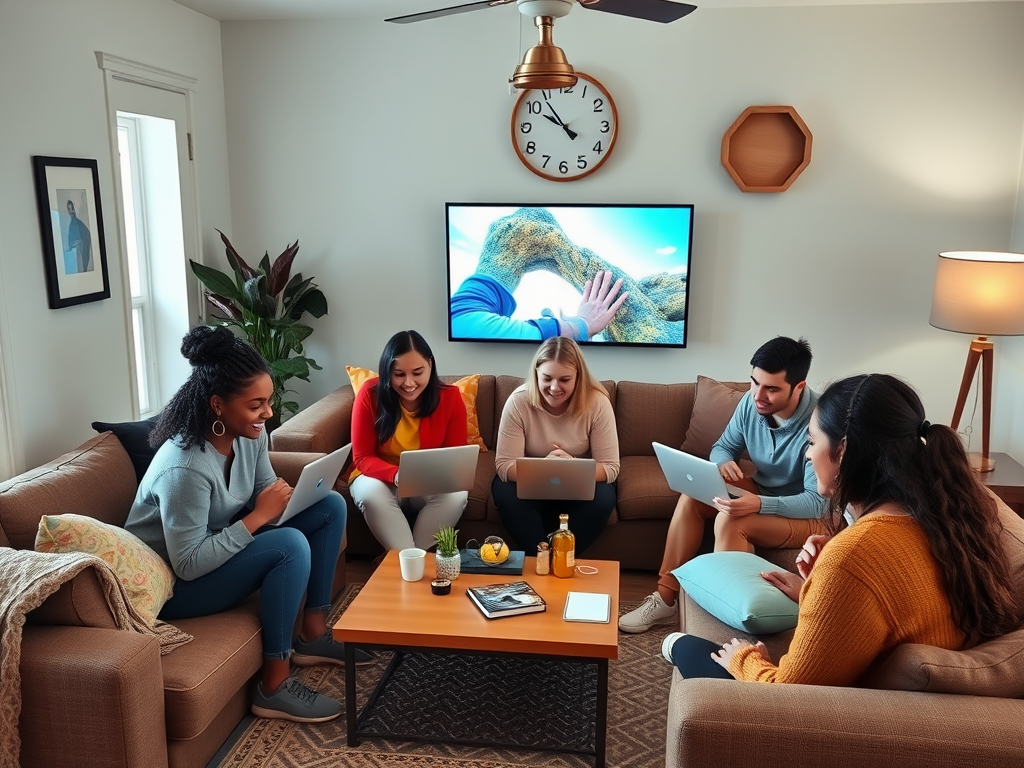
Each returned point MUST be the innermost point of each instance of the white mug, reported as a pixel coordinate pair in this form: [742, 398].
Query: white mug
[412, 561]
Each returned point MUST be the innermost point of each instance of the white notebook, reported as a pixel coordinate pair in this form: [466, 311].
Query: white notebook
[588, 606]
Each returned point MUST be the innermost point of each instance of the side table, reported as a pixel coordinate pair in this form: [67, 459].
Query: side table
[1007, 481]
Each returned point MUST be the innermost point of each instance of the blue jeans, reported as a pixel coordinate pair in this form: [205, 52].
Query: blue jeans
[281, 562]
[692, 657]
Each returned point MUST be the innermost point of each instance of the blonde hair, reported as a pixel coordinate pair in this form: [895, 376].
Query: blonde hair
[565, 351]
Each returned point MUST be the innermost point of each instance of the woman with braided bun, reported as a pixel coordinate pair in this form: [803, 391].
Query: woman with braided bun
[922, 562]
[205, 506]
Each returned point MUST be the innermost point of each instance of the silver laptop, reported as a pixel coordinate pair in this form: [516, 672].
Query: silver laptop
[696, 477]
[430, 471]
[556, 479]
[315, 482]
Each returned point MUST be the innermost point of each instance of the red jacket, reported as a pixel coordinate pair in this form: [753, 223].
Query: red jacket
[444, 428]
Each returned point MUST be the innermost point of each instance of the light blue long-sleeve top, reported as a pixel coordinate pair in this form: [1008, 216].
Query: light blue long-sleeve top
[784, 476]
[185, 504]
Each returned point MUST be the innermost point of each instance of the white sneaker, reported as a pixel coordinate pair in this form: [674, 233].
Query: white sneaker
[651, 611]
[667, 643]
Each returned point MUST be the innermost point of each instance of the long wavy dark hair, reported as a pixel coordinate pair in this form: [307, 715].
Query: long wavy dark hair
[892, 455]
[388, 402]
[223, 365]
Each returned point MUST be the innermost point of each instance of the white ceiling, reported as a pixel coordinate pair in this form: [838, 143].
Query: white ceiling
[239, 10]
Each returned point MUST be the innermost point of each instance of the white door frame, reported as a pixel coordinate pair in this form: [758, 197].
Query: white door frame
[117, 68]
[10, 458]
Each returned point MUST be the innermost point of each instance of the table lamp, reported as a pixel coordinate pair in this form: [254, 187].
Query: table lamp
[982, 293]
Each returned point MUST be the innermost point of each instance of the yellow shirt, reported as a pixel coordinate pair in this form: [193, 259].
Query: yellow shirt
[406, 438]
[876, 585]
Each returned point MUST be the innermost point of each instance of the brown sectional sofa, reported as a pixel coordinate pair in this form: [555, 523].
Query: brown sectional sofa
[97, 697]
[644, 413]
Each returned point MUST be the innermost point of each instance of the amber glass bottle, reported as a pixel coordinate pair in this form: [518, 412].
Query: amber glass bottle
[563, 550]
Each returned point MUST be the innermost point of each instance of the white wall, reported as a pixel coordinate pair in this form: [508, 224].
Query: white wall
[1008, 429]
[68, 367]
[351, 137]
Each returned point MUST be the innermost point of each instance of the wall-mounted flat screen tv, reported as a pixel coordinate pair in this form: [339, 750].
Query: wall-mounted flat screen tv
[519, 272]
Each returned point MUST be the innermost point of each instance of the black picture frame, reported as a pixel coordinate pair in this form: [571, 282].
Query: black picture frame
[74, 254]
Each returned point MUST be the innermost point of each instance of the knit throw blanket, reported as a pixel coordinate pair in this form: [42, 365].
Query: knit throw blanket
[28, 579]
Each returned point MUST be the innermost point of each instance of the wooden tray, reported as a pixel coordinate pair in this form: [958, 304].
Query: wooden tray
[766, 148]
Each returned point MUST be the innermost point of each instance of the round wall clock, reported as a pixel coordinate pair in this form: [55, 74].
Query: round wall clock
[565, 134]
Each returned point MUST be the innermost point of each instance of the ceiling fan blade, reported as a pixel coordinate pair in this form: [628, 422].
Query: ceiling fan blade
[451, 11]
[651, 10]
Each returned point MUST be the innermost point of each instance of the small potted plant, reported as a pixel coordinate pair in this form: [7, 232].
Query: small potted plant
[446, 559]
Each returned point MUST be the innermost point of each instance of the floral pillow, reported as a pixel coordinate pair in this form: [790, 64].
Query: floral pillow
[468, 387]
[147, 579]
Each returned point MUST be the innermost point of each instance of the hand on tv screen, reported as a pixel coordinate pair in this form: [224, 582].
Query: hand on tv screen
[599, 303]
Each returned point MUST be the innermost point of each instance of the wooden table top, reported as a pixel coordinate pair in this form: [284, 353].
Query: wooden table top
[391, 611]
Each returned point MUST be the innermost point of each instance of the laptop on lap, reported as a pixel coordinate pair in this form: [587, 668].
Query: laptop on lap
[556, 479]
[696, 477]
[430, 471]
[315, 482]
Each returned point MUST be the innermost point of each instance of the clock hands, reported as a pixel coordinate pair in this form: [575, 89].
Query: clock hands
[558, 121]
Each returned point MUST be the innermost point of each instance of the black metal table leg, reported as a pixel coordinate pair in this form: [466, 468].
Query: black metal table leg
[602, 713]
[350, 694]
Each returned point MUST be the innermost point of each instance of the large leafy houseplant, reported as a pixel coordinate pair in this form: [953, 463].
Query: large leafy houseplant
[267, 304]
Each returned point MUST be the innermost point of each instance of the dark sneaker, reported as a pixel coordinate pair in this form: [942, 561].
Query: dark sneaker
[296, 702]
[326, 650]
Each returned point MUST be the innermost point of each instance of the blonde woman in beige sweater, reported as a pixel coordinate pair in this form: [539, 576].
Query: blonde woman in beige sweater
[560, 412]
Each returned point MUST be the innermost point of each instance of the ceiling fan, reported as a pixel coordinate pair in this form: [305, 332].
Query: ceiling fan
[545, 65]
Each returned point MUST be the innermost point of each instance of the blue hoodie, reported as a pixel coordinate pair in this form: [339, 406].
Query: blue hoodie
[784, 476]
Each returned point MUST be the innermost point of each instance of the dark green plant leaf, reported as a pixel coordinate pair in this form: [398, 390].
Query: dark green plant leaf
[259, 302]
[235, 260]
[289, 405]
[282, 266]
[294, 336]
[295, 287]
[313, 302]
[265, 264]
[225, 306]
[291, 367]
[216, 281]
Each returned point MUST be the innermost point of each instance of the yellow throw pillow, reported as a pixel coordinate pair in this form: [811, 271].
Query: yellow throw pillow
[468, 387]
[147, 579]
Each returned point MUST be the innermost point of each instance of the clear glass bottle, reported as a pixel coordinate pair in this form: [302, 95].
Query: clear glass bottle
[563, 550]
[543, 559]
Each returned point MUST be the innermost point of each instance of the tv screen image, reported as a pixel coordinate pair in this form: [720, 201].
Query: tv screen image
[514, 270]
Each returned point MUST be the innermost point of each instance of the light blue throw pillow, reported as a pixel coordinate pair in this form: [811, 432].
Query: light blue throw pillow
[728, 585]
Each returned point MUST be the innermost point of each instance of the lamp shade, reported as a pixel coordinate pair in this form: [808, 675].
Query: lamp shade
[979, 292]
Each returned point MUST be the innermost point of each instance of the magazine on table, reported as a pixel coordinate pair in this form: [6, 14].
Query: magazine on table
[498, 600]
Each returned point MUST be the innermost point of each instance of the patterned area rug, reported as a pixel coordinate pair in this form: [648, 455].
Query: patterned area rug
[638, 683]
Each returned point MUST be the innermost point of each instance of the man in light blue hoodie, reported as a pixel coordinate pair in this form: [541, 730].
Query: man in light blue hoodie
[780, 506]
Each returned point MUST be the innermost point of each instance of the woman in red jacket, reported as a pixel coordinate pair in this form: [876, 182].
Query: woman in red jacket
[406, 408]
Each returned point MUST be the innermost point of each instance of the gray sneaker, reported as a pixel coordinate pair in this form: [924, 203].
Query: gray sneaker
[326, 650]
[653, 610]
[296, 702]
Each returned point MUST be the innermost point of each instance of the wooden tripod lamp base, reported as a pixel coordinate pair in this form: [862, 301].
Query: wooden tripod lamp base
[981, 350]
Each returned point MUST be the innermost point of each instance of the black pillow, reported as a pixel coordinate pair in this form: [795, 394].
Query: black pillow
[134, 437]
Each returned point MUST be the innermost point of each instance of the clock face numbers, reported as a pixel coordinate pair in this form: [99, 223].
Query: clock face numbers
[566, 133]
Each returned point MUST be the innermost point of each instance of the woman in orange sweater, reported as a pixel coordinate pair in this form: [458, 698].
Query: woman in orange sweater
[405, 409]
[921, 563]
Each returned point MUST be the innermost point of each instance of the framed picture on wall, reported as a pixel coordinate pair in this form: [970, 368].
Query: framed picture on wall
[71, 224]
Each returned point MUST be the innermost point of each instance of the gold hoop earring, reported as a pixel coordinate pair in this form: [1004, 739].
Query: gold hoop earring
[223, 429]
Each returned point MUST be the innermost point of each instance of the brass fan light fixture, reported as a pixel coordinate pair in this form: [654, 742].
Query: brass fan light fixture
[544, 65]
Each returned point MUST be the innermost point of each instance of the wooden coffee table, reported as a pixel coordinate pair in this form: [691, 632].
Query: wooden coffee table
[392, 614]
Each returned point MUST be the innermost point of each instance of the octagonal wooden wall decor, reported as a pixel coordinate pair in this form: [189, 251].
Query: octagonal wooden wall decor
[766, 148]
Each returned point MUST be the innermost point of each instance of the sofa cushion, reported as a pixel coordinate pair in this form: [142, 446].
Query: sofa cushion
[147, 580]
[201, 676]
[712, 409]
[646, 413]
[995, 668]
[728, 585]
[643, 492]
[134, 438]
[96, 479]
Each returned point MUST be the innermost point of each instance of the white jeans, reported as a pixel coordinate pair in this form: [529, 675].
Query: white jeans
[388, 522]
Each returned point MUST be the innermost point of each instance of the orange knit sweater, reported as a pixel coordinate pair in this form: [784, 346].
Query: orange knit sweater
[874, 586]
